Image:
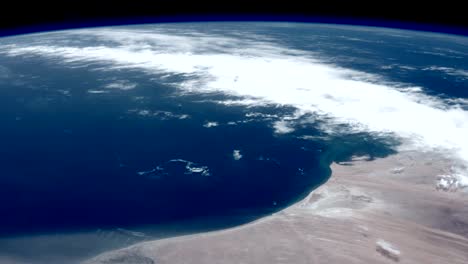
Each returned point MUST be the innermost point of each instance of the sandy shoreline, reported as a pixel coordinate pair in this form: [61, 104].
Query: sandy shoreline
[382, 211]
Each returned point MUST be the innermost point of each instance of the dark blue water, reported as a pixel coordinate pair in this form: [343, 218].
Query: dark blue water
[78, 160]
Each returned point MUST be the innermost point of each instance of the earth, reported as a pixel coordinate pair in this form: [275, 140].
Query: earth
[113, 136]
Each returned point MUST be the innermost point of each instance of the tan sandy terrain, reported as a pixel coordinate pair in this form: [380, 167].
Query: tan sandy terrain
[386, 210]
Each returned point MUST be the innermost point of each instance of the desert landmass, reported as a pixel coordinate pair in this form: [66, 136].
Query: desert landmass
[397, 209]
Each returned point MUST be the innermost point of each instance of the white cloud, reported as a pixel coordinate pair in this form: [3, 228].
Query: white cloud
[210, 124]
[202, 170]
[388, 249]
[282, 127]
[97, 91]
[286, 123]
[261, 115]
[243, 102]
[236, 155]
[460, 102]
[265, 72]
[121, 85]
[162, 115]
[450, 71]
[311, 137]
[191, 167]
[144, 112]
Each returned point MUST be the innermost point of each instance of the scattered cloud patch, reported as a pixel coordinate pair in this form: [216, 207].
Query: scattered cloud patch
[453, 180]
[405, 67]
[244, 102]
[143, 112]
[261, 115]
[312, 137]
[162, 115]
[458, 103]
[64, 92]
[193, 168]
[156, 173]
[162, 170]
[282, 127]
[183, 116]
[399, 66]
[121, 85]
[203, 170]
[98, 91]
[236, 155]
[388, 250]
[243, 121]
[397, 170]
[210, 124]
[449, 71]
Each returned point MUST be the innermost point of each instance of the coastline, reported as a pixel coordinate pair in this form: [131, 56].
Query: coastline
[385, 210]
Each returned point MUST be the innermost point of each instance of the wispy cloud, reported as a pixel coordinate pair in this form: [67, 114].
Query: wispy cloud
[121, 85]
[162, 115]
[210, 124]
[450, 71]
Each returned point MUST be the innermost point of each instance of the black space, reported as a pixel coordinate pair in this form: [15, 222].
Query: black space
[25, 17]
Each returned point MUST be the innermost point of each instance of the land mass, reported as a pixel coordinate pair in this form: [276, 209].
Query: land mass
[397, 209]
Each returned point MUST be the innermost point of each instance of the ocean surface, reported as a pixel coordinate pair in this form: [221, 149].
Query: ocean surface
[89, 166]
